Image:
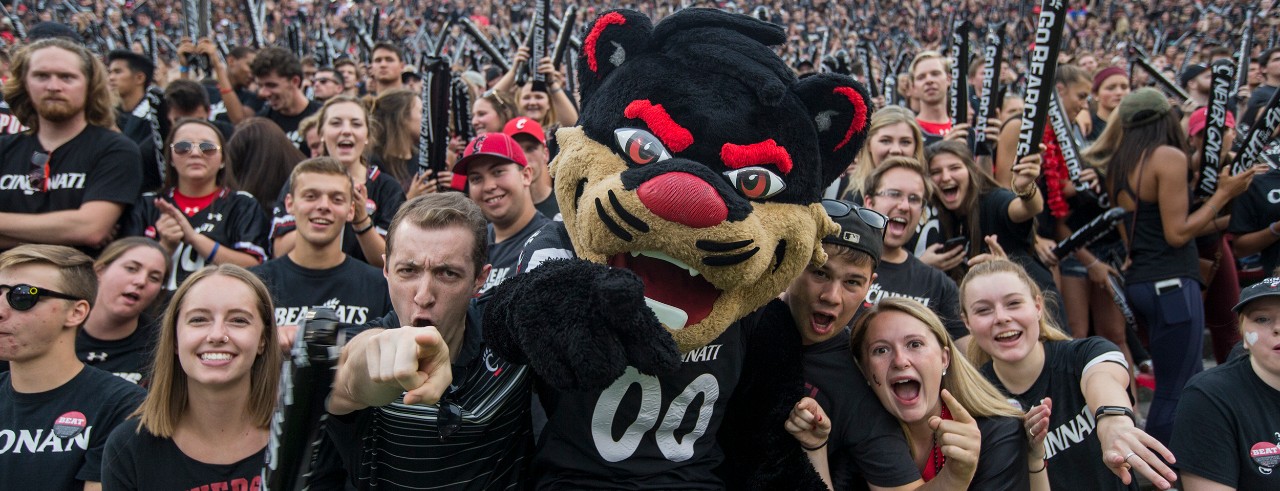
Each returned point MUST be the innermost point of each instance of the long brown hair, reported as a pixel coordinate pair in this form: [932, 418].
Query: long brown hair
[225, 177]
[166, 400]
[99, 100]
[980, 183]
[1049, 331]
[1120, 150]
[262, 158]
[395, 140]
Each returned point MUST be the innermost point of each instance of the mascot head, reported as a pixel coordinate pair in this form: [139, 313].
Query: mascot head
[699, 162]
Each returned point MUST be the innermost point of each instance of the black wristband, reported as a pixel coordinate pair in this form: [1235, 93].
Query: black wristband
[1104, 411]
[366, 228]
[819, 447]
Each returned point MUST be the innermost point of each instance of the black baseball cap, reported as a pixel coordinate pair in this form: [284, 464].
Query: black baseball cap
[1269, 287]
[861, 229]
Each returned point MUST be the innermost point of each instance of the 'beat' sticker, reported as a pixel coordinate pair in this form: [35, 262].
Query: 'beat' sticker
[69, 424]
[1266, 454]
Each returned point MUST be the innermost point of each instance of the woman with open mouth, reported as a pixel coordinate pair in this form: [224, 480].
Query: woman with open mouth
[971, 205]
[959, 428]
[345, 133]
[199, 215]
[119, 335]
[206, 420]
[1227, 419]
[1075, 391]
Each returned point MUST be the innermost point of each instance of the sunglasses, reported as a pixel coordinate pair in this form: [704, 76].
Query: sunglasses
[186, 147]
[23, 297]
[839, 209]
[38, 175]
[448, 417]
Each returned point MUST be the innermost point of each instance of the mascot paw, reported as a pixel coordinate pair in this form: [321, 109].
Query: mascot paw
[575, 344]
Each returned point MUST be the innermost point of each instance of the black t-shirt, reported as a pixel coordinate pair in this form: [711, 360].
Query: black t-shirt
[923, 283]
[1002, 462]
[96, 165]
[136, 459]
[384, 198]
[234, 219]
[355, 290]
[866, 444]
[128, 358]
[55, 439]
[218, 107]
[290, 123]
[399, 446]
[643, 432]
[1257, 209]
[1072, 446]
[1257, 102]
[550, 208]
[1227, 427]
[1017, 239]
[504, 256]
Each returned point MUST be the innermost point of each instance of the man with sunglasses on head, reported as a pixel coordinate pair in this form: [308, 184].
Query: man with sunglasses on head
[865, 444]
[55, 412]
[899, 189]
[419, 401]
[67, 180]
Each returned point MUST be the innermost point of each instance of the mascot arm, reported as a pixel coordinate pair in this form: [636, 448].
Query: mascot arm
[760, 453]
[578, 324]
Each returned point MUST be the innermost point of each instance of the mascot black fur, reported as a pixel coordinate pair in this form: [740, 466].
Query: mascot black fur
[690, 200]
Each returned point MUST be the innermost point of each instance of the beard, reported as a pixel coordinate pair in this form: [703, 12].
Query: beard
[58, 111]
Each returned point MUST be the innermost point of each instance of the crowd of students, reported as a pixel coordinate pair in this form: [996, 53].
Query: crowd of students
[174, 231]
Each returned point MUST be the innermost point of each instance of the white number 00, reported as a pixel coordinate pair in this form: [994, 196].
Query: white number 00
[673, 448]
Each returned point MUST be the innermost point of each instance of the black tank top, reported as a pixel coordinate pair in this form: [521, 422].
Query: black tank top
[1154, 259]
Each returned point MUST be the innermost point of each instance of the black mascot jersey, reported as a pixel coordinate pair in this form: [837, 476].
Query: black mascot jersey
[1227, 429]
[1072, 443]
[137, 459]
[55, 439]
[234, 219]
[128, 358]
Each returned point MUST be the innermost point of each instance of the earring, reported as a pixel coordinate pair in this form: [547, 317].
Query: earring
[944, 372]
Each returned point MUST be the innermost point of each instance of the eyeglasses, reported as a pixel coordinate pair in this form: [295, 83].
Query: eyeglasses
[23, 297]
[838, 209]
[186, 147]
[448, 417]
[326, 80]
[38, 176]
[915, 200]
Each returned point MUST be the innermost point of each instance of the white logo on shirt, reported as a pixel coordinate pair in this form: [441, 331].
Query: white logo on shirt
[63, 180]
[24, 441]
[96, 356]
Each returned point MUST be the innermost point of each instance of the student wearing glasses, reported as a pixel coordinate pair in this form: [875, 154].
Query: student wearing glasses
[899, 189]
[58, 411]
[70, 169]
[199, 216]
[326, 83]
[419, 400]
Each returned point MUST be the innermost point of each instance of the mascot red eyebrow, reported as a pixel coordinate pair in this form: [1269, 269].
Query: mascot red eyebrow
[690, 199]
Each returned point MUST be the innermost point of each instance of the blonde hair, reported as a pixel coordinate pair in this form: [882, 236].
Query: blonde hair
[965, 383]
[930, 55]
[1049, 331]
[166, 399]
[75, 269]
[99, 100]
[883, 118]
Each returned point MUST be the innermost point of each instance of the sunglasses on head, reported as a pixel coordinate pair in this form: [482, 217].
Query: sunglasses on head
[185, 147]
[839, 209]
[23, 297]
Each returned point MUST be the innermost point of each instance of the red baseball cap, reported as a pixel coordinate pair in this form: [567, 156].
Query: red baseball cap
[1197, 122]
[492, 144]
[525, 126]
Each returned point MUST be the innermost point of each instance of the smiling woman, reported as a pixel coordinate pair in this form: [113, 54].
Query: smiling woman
[205, 421]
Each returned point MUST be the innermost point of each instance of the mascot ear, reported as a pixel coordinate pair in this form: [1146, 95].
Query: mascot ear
[841, 114]
[615, 36]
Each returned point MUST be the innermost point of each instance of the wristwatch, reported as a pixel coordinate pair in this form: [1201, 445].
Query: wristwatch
[1104, 411]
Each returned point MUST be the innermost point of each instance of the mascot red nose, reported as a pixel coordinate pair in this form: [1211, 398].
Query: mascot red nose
[690, 195]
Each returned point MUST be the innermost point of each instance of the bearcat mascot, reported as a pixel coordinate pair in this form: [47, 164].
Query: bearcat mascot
[690, 199]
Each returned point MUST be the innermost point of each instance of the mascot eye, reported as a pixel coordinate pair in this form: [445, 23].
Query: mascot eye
[641, 146]
[756, 182]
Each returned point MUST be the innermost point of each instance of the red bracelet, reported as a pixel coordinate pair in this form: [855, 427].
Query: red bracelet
[225, 91]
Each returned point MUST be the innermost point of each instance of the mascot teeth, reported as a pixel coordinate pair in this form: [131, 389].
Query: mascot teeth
[670, 317]
[663, 256]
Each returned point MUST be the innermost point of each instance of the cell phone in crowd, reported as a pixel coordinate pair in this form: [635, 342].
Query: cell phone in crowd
[954, 242]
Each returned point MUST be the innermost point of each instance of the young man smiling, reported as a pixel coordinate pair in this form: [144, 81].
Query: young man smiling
[498, 180]
[865, 443]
